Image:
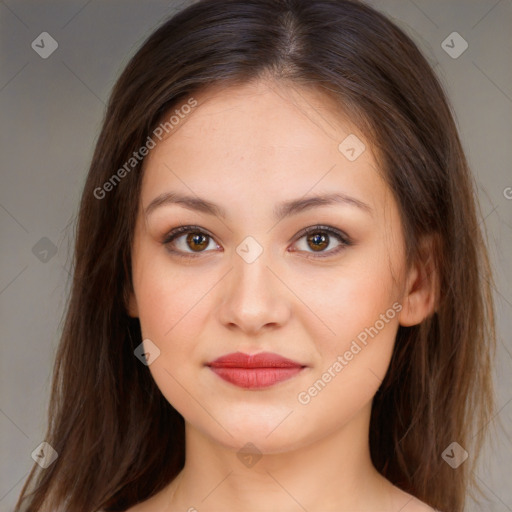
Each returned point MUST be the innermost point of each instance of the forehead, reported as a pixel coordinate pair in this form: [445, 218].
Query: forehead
[260, 139]
[258, 114]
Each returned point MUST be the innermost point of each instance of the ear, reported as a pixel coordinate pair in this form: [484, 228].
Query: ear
[421, 289]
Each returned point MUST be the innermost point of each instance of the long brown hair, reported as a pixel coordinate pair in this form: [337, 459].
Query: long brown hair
[119, 441]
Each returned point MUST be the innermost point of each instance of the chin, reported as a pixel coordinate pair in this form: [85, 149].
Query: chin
[251, 438]
[270, 433]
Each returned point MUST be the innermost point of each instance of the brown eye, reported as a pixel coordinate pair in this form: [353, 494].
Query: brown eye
[319, 238]
[187, 241]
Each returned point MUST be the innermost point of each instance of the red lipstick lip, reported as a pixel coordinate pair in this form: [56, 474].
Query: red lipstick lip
[254, 372]
[261, 360]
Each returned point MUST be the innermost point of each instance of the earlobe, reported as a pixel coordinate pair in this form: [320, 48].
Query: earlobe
[420, 293]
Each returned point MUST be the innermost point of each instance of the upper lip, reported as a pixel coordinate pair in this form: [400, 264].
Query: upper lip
[261, 360]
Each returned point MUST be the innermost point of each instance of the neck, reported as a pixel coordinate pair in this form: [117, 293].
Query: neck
[331, 473]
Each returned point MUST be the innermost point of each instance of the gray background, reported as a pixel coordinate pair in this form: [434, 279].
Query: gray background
[51, 112]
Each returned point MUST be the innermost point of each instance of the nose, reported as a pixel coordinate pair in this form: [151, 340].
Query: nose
[254, 297]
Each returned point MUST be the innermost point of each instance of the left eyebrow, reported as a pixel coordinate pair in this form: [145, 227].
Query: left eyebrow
[295, 206]
[284, 209]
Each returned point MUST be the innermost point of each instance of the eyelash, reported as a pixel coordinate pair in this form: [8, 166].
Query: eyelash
[344, 240]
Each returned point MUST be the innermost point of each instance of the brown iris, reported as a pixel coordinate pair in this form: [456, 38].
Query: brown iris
[320, 241]
[198, 239]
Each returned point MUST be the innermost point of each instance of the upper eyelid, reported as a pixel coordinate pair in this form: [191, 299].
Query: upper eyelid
[181, 230]
[321, 227]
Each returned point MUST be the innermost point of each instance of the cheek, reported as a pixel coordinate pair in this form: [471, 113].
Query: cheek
[360, 297]
[171, 313]
[165, 296]
[353, 361]
[361, 310]
[169, 309]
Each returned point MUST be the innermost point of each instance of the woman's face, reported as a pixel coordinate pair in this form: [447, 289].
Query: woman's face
[247, 279]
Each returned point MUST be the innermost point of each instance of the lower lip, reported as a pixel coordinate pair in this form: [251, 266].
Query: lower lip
[255, 378]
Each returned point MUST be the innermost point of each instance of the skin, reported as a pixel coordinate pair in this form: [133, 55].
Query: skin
[247, 148]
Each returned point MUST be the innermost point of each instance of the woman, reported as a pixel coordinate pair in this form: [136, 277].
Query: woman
[281, 297]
